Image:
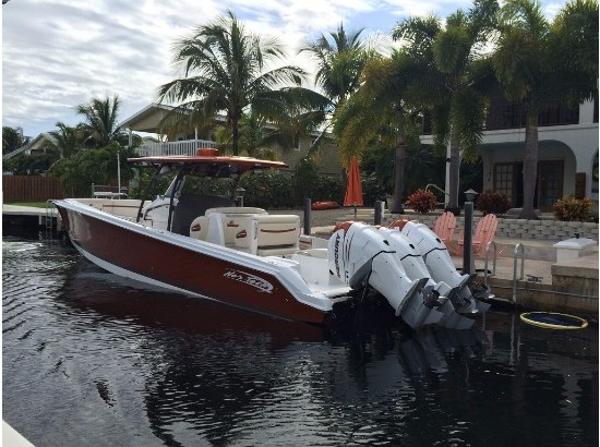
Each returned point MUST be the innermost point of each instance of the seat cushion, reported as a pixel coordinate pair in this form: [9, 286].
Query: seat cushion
[232, 210]
[277, 231]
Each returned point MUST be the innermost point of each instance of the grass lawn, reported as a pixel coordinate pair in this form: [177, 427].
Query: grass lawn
[34, 204]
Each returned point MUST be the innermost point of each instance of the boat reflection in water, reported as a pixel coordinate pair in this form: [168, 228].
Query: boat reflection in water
[231, 375]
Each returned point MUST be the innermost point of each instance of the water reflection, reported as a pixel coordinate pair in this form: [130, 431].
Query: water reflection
[125, 364]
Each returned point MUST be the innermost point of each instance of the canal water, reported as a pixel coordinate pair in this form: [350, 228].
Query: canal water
[91, 359]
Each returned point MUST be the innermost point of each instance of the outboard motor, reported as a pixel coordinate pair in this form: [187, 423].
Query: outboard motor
[440, 265]
[361, 256]
[416, 269]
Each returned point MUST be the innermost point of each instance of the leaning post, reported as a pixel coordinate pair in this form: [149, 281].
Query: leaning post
[468, 264]
[307, 215]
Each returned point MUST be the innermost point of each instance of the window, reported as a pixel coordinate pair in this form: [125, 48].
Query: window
[504, 179]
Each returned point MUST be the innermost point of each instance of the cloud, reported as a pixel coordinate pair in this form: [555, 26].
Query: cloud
[60, 53]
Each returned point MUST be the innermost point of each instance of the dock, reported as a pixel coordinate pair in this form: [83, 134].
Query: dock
[546, 285]
[28, 217]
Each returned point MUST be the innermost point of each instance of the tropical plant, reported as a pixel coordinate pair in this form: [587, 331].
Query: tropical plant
[78, 172]
[492, 203]
[422, 201]
[378, 113]
[100, 120]
[451, 77]
[67, 140]
[35, 163]
[340, 60]
[224, 71]
[569, 208]
[12, 139]
[539, 63]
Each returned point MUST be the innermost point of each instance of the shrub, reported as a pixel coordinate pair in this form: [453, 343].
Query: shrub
[492, 203]
[99, 166]
[267, 189]
[569, 208]
[329, 188]
[422, 201]
[372, 189]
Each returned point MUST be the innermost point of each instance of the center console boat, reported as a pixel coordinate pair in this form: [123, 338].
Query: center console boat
[197, 242]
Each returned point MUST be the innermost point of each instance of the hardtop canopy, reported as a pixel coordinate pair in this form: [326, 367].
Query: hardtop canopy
[210, 162]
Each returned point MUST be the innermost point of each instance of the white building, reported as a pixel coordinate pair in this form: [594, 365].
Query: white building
[568, 155]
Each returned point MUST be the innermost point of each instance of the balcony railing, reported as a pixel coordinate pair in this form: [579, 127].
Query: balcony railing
[185, 147]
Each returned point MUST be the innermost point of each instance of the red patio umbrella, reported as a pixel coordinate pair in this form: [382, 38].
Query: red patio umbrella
[354, 195]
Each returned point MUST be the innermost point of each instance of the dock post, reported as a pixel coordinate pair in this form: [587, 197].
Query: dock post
[468, 237]
[378, 214]
[307, 215]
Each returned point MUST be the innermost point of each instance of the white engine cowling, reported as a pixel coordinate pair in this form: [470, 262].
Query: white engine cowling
[440, 265]
[361, 256]
[416, 269]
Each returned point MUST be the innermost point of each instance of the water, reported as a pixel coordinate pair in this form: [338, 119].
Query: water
[88, 359]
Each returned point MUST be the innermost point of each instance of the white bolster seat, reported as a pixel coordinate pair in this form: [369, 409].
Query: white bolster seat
[198, 228]
[277, 234]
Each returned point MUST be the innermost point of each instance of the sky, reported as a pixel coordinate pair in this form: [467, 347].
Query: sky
[60, 53]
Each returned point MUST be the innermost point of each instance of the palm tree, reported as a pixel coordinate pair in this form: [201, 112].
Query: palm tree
[451, 78]
[101, 120]
[379, 113]
[224, 71]
[340, 58]
[539, 63]
[12, 139]
[68, 139]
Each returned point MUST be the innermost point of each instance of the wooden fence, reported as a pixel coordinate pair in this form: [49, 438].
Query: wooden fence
[30, 188]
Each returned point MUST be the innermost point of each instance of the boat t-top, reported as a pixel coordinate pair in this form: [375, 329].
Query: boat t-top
[195, 240]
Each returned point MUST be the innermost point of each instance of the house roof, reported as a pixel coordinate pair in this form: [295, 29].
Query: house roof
[149, 119]
[34, 144]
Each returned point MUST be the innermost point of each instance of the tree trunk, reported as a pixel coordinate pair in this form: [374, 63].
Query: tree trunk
[399, 173]
[235, 136]
[530, 165]
[454, 174]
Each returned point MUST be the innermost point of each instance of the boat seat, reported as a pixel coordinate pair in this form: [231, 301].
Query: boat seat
[277, 234]
[238, 232]
[233, 210]
[260, 234]
[199, 227]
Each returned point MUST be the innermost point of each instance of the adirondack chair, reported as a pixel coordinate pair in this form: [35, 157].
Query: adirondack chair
[444, 227]
[484, 234]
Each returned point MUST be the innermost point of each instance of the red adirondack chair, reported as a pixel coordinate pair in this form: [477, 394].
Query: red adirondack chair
[485, 232]
[444, 227]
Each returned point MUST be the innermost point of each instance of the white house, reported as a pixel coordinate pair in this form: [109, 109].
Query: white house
[184, 140]
[568, 156]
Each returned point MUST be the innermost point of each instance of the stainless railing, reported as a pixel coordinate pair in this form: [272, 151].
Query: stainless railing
[491, 247]
[185, 147]
[519, 249]
[437, 188]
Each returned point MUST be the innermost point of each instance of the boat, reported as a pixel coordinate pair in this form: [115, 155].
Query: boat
[195, 240]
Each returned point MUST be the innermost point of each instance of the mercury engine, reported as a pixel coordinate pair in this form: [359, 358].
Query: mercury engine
[416, 269]
[362, 257]
[440, 266]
